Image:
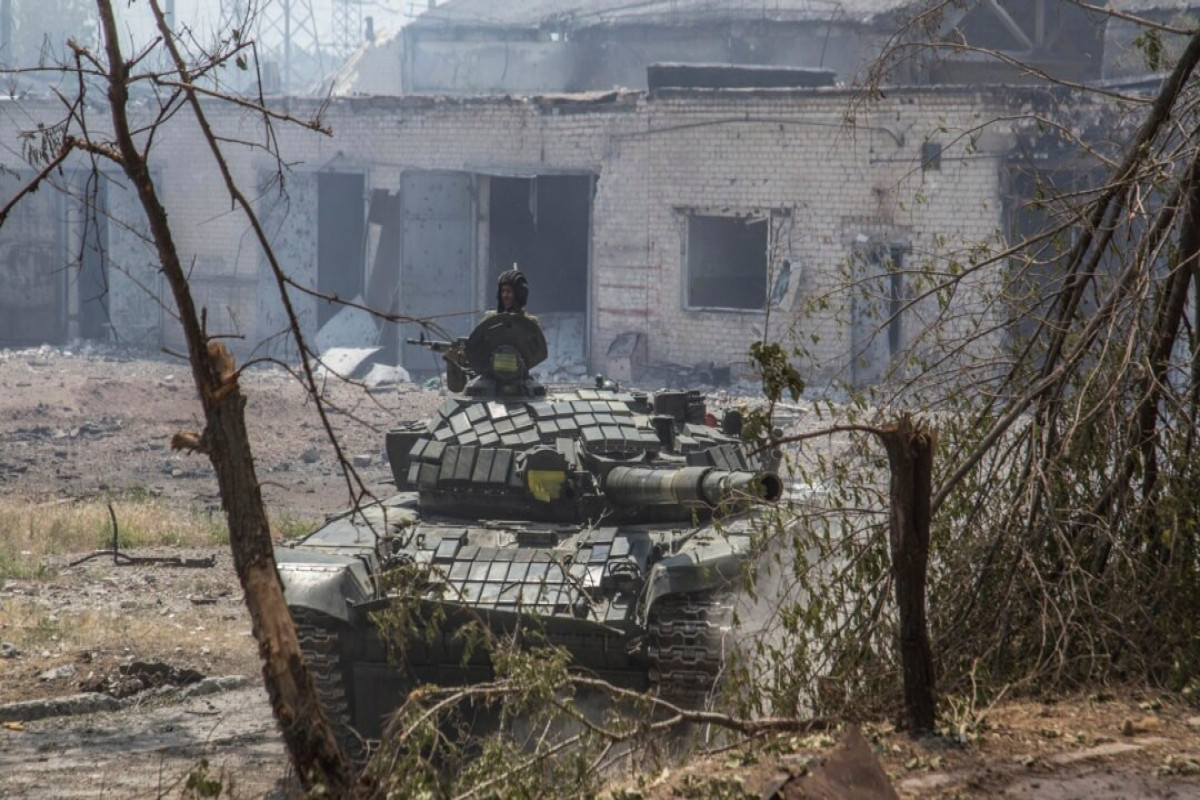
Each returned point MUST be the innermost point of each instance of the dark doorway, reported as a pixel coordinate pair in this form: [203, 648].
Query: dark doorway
[93, 270]
[542, 225]
[383, 271]
[341, 240]
[32, 275]
[876, 312]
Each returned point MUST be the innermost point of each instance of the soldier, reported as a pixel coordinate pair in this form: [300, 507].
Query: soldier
[512, 292]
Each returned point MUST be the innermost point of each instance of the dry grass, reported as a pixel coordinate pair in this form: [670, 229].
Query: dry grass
[215, 642]
[30, 533]
[31, 625]
[98, 615]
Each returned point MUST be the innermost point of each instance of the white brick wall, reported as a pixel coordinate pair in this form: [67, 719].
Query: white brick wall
[720, 150]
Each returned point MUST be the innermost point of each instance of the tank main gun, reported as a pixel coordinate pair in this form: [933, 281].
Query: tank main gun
[689, 487]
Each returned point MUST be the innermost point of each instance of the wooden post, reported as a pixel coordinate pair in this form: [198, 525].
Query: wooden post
[910, 456]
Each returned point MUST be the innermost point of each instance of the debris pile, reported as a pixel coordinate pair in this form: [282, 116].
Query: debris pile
[138, 677]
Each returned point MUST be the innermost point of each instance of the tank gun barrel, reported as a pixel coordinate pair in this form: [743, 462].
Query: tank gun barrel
[689, 486]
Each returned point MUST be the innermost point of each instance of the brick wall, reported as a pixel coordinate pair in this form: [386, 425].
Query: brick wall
[655, 160]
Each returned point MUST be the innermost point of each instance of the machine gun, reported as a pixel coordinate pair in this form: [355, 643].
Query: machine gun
[499, 352]
[437, 345]
[454, 354]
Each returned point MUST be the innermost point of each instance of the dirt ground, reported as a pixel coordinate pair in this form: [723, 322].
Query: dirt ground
[79, 425]
[82, 423]
[1098, 747]
[88, 424]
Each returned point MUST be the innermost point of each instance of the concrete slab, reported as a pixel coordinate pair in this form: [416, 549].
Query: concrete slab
[385, 375]
[565, 336]
[344, 361]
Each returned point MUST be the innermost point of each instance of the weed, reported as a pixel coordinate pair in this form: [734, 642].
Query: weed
[32, 532]
[199, 784]
[135, 494]
[715, 788]
[19, 565]
[288, 527]
[46, 629]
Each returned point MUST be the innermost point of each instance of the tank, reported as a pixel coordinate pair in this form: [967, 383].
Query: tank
[615, 522]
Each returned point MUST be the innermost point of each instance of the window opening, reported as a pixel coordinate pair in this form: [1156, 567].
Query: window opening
[727, 262]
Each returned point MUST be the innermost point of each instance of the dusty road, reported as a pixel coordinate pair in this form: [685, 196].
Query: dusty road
[149, 750]
[98, 623]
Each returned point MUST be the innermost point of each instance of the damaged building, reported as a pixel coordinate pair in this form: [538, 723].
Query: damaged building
[663, 225]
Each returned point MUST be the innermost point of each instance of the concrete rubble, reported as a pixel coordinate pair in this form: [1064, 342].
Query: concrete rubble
[360, 364]
[382, 376]
[343, 362]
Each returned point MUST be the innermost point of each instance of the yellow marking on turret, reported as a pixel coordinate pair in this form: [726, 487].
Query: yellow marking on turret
[545, 484]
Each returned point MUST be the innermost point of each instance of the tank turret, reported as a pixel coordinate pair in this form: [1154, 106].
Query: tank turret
[503, 448]
[616, 520]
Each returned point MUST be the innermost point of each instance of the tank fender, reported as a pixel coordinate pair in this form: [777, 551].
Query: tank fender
[329, 584]
[690, 571]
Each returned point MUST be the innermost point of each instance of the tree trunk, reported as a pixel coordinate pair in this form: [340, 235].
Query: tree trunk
[310, 741]
[306, 732]
[910, 457]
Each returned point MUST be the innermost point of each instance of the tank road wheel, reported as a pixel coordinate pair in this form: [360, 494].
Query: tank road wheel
[321, 643]
[686, 640]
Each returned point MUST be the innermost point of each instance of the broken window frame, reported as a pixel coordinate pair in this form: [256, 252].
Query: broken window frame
[774, 219]
[880, 257]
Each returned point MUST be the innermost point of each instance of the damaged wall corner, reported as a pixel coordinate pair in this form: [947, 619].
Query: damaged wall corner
[383, 265]
[627, 357]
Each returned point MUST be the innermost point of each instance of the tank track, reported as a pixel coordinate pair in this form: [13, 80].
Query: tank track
[687, 646]
[321, 644]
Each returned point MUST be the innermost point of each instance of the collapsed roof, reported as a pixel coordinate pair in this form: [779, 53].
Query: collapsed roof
[589, 13]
